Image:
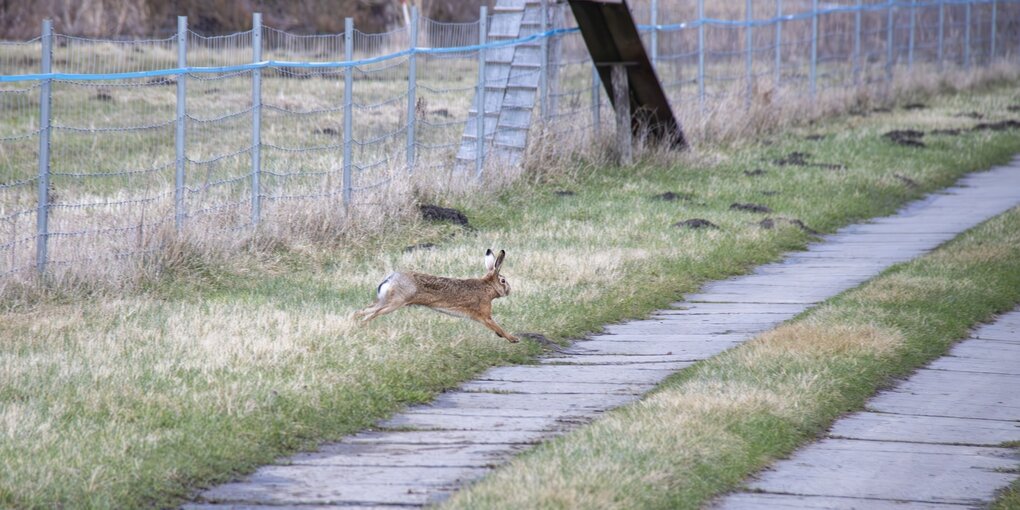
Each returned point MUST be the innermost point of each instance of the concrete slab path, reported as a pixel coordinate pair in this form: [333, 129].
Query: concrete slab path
[425, 453]
[933, 441]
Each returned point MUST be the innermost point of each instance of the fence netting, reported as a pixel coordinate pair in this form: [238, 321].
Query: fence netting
[221, 133]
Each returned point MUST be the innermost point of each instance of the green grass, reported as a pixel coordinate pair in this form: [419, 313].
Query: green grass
[703, 430]
[136, 399]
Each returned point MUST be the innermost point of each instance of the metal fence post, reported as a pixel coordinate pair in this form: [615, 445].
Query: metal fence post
[621, 102]
[966, 36]
[858, 15]
[483, 14]
[749, 64]
[596, 100]
[913, 27]
[543, 76]
[995, 12]
[889, 45]
[182, 62]
[942, 31]
[701, 54]
[412, 78]
[779, 43]
[43, 211]
[814, 47]
[655, 32]
[256, 119]
[348, 106]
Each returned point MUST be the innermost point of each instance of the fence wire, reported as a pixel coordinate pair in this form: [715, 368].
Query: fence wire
[220, 132]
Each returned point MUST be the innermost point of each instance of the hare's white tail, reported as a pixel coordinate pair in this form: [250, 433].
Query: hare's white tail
[384, 287]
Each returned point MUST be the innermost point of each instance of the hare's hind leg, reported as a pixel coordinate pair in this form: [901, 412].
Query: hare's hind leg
[381, 307]
[383, 304]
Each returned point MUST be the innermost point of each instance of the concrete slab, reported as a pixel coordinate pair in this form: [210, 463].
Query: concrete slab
[670, 361]
[685, 350]
[559, 373]
[438, 437]
[561, 388]
[964, 475]
[572, 405]
[420, 455]
[439, 421]
[744, 501]
[925, 429]
[953, 394]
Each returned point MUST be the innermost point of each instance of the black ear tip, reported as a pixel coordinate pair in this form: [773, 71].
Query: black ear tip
[488, 251]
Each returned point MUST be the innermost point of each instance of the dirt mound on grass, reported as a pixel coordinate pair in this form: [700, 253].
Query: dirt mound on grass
[906, 137]
[758, 208]
[435, 213]
[695, 224]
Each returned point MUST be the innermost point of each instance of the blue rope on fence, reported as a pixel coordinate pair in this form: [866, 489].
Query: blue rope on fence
[892, 4]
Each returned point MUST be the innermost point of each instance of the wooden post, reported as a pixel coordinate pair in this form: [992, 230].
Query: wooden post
[621, 102]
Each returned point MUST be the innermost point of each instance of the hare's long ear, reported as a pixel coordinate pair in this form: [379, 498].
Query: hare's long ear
[499, 261]
[490, 260]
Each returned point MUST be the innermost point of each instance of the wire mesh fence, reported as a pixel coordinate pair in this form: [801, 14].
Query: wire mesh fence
[108, 146]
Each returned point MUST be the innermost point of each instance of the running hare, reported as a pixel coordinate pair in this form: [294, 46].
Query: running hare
[470, 298]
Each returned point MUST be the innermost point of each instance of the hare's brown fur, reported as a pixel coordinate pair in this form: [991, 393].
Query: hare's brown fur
[470, 298]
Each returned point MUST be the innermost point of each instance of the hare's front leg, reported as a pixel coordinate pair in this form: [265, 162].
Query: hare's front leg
[491, 324]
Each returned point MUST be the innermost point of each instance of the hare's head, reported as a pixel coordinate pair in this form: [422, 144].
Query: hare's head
[492, 265]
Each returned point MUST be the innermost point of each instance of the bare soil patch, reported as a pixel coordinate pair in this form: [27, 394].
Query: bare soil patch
[670, 196]
[906, 137]
[436, 213]
[997, 126]
[801, 159]
[758, 208]
[695, 223]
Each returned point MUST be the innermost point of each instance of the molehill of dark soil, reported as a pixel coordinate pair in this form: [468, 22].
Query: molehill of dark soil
[770, 193]
[1013, 108]
[815, 138]
[945, 132]
[997, 126]
[670, 196]
[971, 115]
[564, 193]
[801, 159]
[906, 137]
[436, 213]
[915, 106]
[794, 158]
[758, 208]
[754, 173]
[695, 223]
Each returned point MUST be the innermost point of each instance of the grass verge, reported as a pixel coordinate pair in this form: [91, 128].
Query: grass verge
[137, 399]
[708, 427]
